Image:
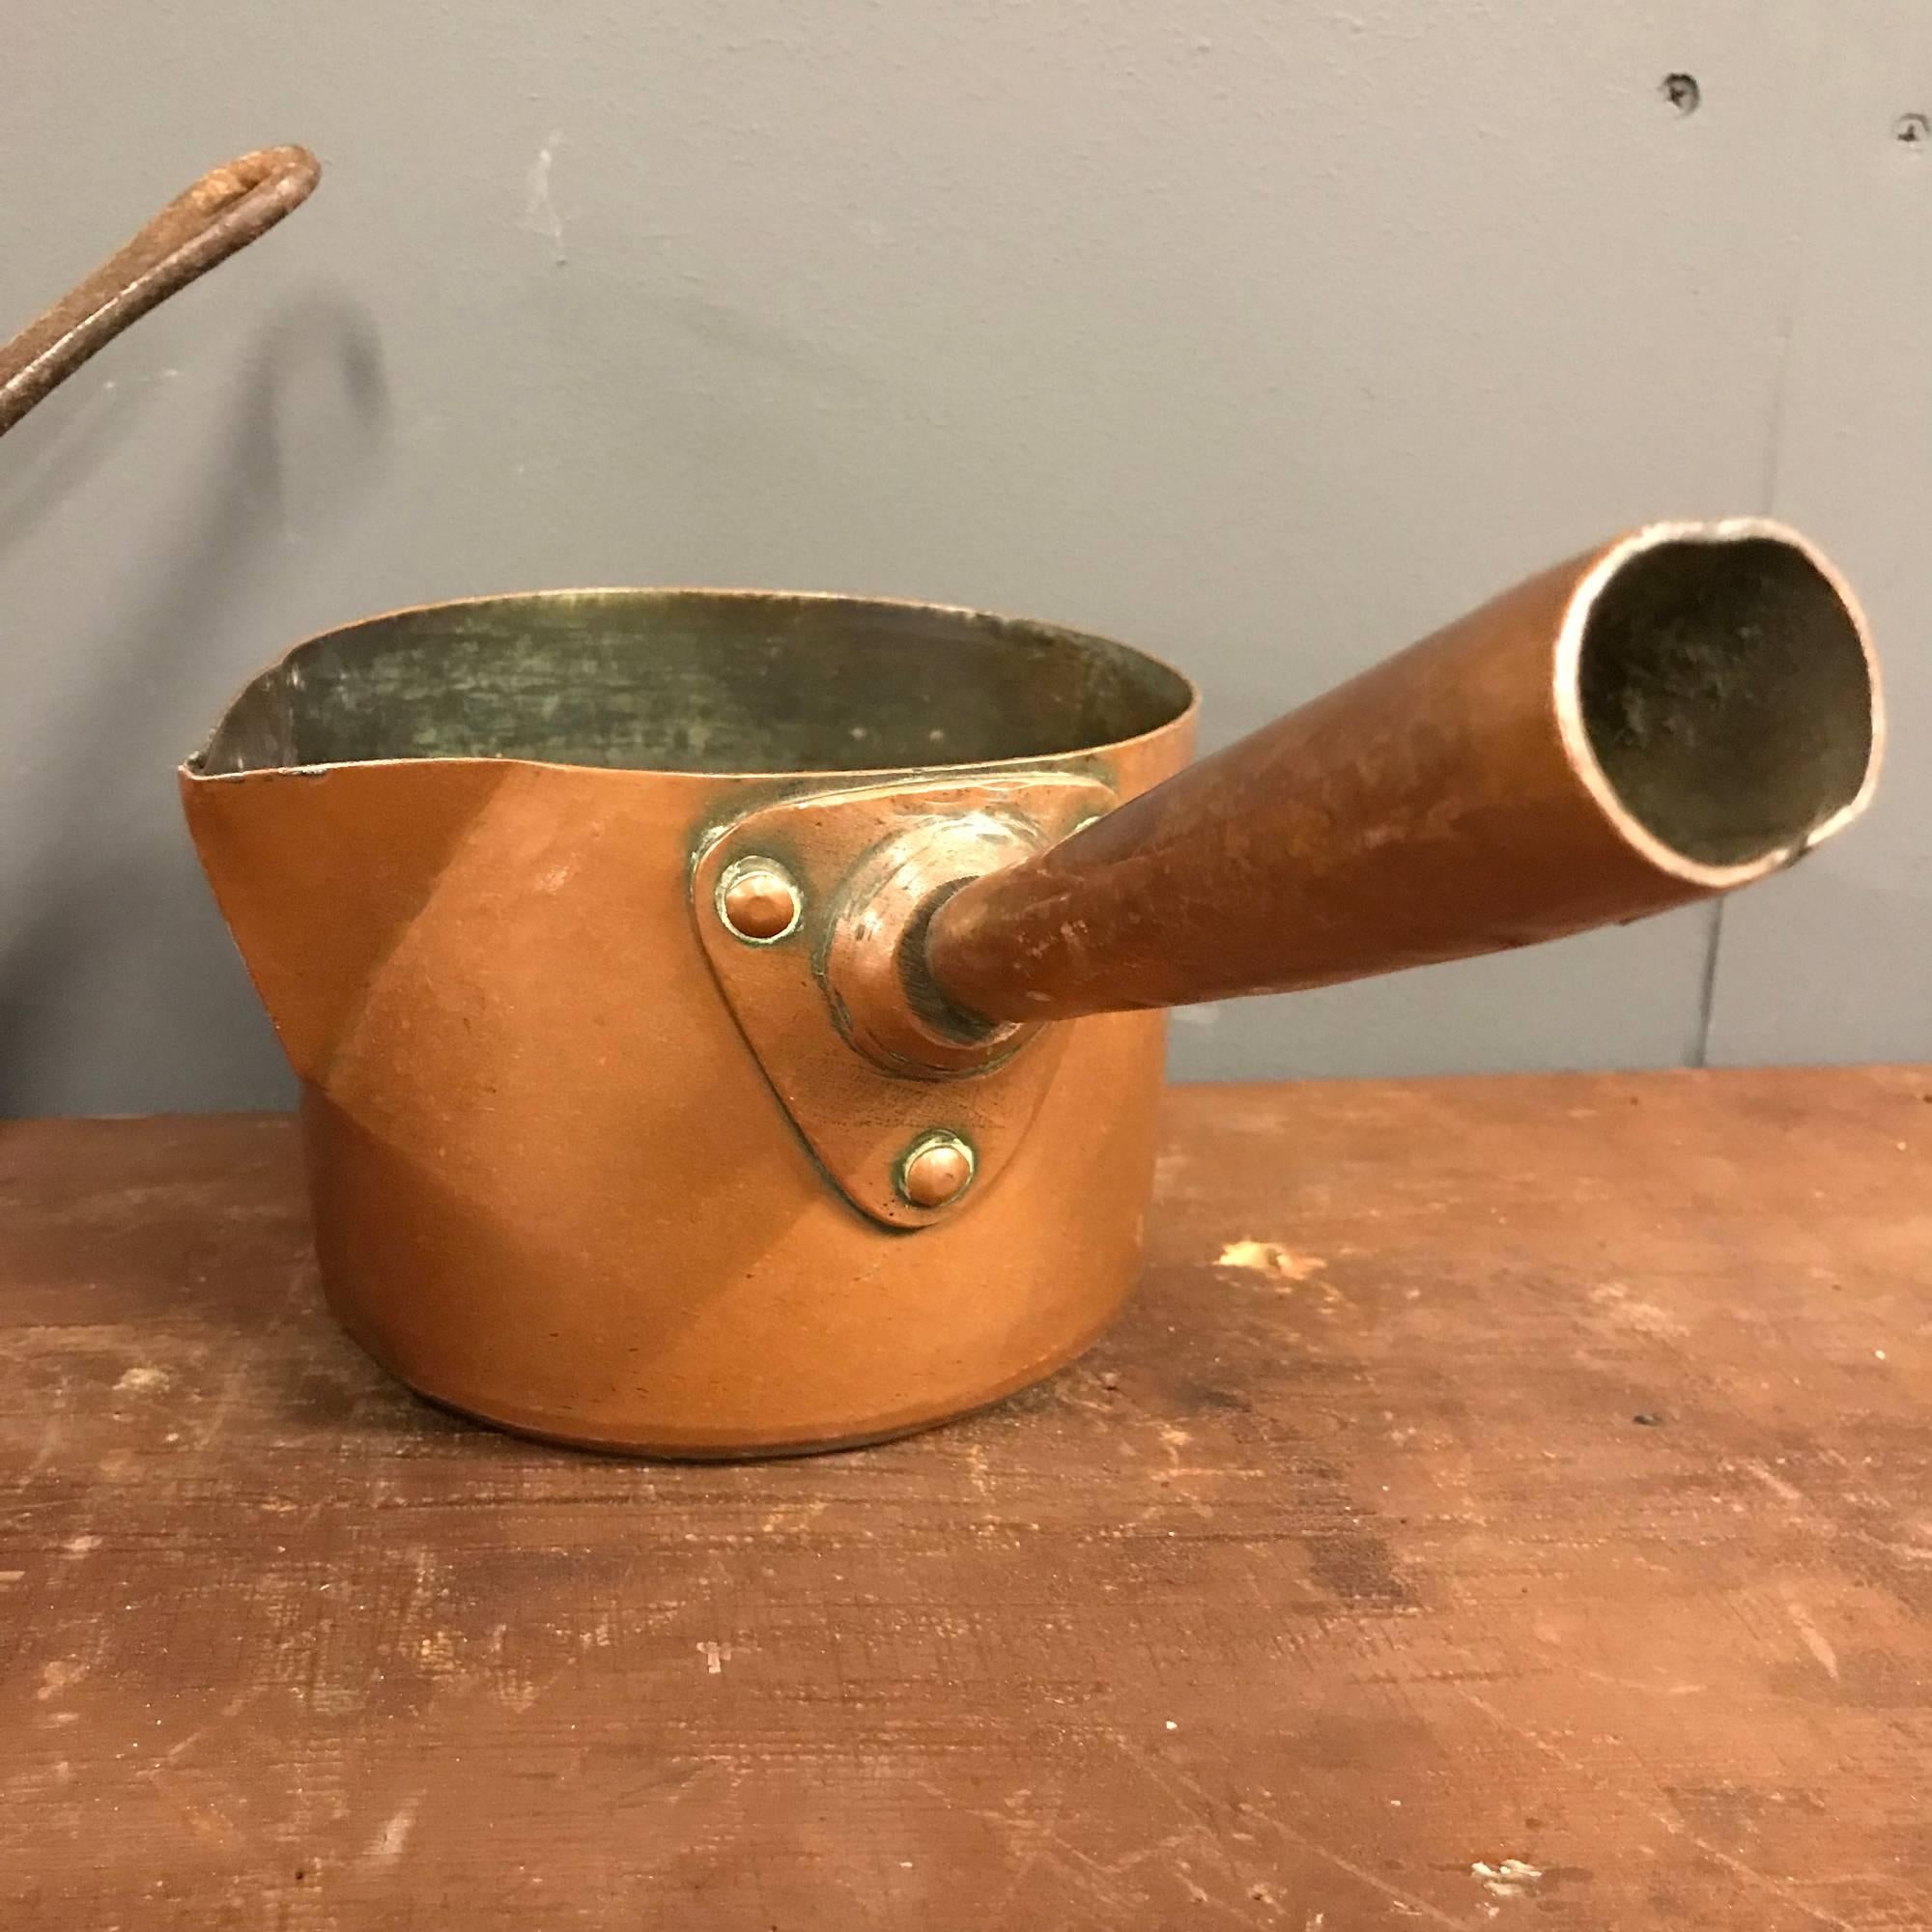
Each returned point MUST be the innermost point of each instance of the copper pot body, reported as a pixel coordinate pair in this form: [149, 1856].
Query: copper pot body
[553, 1186]
[730, 1022]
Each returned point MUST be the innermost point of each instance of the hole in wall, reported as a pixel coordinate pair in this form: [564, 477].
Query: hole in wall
[1682, 92]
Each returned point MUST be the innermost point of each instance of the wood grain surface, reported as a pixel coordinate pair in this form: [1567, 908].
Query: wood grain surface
[1529, 1522]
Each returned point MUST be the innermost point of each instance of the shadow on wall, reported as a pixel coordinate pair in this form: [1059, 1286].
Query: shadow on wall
[318, 362]
[99, 425]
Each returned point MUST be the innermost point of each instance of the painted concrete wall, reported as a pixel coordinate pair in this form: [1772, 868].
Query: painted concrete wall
[1264, 336]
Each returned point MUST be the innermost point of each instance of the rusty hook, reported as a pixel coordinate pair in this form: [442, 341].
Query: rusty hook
[225, 210]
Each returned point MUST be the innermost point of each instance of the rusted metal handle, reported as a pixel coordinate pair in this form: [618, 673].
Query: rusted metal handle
[225, 210]
[1686, 710]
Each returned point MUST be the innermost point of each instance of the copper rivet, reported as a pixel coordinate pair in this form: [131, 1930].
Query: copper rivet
[758, 902]
[936, 1169]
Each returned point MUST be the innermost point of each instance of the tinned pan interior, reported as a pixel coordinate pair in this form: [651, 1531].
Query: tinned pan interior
[697, 681]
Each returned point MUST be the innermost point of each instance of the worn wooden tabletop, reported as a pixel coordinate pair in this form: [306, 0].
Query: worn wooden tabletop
[1506, 1501]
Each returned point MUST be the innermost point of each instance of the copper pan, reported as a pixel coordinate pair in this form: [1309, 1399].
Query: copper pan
[725, 1020]
[730, 1022]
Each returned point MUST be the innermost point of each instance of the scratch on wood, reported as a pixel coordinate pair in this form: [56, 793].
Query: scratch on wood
[1786, 1492]
[1411, 1901]
[1669, 1820]
[1815, 1640]
[388, 1845]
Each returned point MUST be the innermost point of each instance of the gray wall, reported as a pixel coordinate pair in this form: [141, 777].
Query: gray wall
[1264, 336]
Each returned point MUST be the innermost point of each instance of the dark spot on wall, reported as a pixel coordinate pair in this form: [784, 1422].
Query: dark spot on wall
[1682, 92]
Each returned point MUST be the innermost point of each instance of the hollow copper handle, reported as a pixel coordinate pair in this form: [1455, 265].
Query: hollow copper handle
[225, 210]
[1483, 789]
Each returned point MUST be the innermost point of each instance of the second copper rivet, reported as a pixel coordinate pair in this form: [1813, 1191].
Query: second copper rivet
[936, 1169]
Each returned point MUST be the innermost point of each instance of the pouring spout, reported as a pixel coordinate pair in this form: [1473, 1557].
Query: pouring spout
[1686, 710]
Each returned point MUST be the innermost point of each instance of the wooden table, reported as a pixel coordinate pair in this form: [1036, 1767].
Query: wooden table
[1530, 1523]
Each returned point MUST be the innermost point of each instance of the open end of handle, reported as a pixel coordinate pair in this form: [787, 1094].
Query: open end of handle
[1716, 688]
